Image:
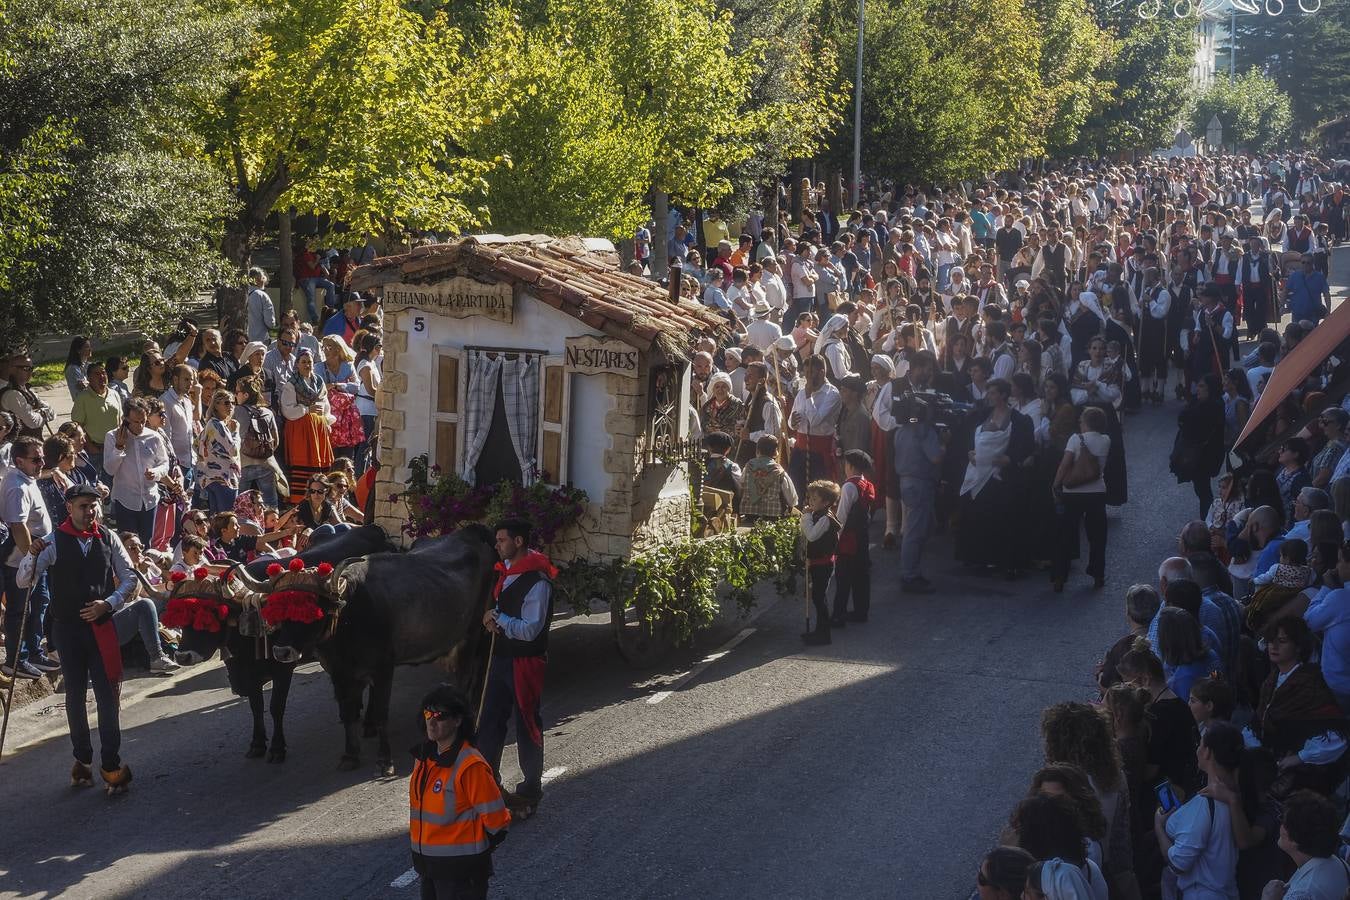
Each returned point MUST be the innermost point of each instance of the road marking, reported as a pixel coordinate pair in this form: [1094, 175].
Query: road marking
[703, 664]
[552, 773]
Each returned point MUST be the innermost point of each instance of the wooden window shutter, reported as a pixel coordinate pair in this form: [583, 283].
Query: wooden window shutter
[446, 403]
[555, 400]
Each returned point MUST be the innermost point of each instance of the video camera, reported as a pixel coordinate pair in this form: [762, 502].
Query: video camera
[928, 407]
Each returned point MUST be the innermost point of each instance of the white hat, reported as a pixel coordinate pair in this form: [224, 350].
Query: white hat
[251, 348]
[1021, 284]
[760, 309]
[784, 344]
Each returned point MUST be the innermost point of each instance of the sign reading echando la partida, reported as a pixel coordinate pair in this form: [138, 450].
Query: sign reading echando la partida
[595, 356]
[457, 298]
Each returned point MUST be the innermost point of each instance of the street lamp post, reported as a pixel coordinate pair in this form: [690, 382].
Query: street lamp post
[857, 113]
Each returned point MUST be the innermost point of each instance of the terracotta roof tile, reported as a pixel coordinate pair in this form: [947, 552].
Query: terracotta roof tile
[564, 273]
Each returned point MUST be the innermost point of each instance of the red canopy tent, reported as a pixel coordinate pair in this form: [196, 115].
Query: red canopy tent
[1291, 371]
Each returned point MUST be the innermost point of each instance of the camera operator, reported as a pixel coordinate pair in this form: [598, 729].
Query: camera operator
[919, 446]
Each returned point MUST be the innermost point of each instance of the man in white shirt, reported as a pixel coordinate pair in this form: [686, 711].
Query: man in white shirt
[771, 282]
[25, 512]
[815, 413]
[136, 459]
[762, 330]
[280, 361]
[182, 419]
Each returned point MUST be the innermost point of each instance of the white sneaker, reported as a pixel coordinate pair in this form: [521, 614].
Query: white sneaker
[164, 664]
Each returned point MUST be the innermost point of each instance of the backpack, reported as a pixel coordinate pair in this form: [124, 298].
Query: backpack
[256, 442]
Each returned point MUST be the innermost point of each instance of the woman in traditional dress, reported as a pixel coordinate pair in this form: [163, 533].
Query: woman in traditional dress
[994, 486]
[1084, 318]
[722, 412]
[304, 403]
[1097, 379]
[347, 433]
[1154, 337]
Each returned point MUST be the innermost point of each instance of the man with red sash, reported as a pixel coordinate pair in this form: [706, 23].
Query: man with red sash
[853, 558]
[89, 575]
[814, 418]
[522, 607]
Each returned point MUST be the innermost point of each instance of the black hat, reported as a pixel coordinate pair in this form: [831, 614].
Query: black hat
[77, 491]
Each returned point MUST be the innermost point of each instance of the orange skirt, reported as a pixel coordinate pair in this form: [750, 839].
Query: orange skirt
[309, 451]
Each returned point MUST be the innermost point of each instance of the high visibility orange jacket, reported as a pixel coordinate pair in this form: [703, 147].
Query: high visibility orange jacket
[456, 813]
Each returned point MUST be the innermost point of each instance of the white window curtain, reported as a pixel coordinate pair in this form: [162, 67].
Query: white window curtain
[520, 396]
[479, 401]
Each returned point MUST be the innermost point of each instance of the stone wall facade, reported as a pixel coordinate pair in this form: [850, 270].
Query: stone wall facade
[641, 507]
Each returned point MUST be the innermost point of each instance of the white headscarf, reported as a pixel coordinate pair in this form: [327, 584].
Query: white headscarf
[885, 362]
[836, 325]
[1089, 299]
[722, 377]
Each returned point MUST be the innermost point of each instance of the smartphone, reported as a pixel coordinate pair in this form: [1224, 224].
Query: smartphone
[1167, 799]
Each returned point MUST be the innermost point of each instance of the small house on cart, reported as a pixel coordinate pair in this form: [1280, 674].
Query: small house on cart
[531, 358]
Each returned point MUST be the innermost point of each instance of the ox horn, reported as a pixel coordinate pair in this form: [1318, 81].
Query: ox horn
[335, 581]
[249, 582]
[153, 592]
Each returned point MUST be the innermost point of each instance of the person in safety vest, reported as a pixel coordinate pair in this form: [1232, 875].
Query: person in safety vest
[518, 619]
[456, 815]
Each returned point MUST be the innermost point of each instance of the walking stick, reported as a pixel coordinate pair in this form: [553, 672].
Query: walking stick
[487, 673]
[806, 552]
[14, 666]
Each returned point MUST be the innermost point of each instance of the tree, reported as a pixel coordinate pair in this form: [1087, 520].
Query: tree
[1149, 64]
[1254, 111]
[355, 109]
[1073, 49]
[1306, 54]
[109, 213]
[929, 113]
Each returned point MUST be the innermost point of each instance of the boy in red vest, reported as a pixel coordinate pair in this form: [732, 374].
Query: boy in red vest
[853, 560]
[821, 531]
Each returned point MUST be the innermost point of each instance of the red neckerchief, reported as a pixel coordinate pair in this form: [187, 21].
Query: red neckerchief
[67, 528]
[532, 561]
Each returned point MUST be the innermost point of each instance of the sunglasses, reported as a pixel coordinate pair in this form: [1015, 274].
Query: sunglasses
[435, 714]
[318, 490]
[286, 344]
[156, 362]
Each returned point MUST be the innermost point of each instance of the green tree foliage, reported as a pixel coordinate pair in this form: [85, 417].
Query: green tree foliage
[1254, 111]
[1073, 49]
[1307, 55]
[1149, 64]
[605, 104]
[946, 96]
[108, 215]
[357, 109]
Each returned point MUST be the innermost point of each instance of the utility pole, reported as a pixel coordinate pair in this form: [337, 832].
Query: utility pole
[857, 113]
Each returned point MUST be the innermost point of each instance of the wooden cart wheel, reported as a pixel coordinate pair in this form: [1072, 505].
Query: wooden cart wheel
[641, 644]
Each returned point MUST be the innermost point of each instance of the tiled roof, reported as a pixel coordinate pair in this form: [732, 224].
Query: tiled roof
[569, 274]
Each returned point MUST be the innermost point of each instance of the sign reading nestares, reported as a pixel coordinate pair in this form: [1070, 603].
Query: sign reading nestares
[596, 356]
[457, 298]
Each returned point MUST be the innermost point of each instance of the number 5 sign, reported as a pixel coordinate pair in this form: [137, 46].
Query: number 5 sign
[417, 327]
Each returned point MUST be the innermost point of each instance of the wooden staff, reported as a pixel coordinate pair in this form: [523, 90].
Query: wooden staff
[14, 667]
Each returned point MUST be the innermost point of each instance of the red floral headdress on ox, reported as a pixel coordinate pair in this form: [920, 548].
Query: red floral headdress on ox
[195, 602]
[295, 593]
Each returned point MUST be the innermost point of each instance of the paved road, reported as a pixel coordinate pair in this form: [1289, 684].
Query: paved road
[880, 766]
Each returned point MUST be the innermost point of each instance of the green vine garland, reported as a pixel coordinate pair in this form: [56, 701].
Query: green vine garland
[677, 584]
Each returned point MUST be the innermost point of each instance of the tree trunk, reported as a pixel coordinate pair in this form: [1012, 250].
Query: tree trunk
[771, 212]
[834, 197]
[798, 200]
[659, 261]
[285, 261]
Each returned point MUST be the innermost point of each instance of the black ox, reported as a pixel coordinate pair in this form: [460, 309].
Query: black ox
[242, 637]
[392, 609]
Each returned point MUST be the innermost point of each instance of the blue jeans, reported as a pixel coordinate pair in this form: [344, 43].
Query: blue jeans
[329, 296]
[141, 522]
[263, 479]
[220, 497]
[139, 617]
[323, 531]
[18, 647]
[795, 309]
[944, 275]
